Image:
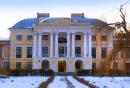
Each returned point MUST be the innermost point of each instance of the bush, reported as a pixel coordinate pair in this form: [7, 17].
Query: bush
[48, 72]
[82, 72]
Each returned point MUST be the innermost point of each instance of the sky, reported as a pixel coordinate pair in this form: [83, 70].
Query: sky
[12, 11]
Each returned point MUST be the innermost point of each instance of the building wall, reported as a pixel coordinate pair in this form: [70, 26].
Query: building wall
[5, 52]
[25, 43]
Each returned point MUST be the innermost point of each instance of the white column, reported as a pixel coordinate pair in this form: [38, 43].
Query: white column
[73, 45]
[40, 46]
[51, 44]
[56, 44]
[34, 45]
[90, 45]
[68, 44]
[85, 45]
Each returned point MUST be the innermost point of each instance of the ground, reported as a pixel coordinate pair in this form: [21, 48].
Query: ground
[59, 82]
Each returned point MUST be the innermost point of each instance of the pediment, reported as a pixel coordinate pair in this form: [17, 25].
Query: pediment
[60, 22]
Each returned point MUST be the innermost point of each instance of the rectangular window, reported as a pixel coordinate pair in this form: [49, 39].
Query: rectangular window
[93, 52]
[29, 37]
[6, 65]
[78, 37]
[104, 38]
[29, 65]
[19, 37]
[93, 37]
[104, 52]
[78, 51]
[45, 51]
[18, 65]
[18, 52]
[45, 37]
[29, 52]
[93, 65]
[127, 52]
[0, 52]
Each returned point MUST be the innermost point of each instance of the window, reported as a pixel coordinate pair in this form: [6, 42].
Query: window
[19, 37]
[93, 37]
[29, 52]
[0, 52]
[18, 65]
[127, 52]
[93, 52]
[78, 51]
[78, 37]
[18, 52]
[45, 51]
[104, 52]
[93, 65]
[29, 37]
[45, 37]
[6, 65]
[104, 38]
[29, 65]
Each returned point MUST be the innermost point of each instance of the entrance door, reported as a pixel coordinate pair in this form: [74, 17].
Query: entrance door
[61, 66]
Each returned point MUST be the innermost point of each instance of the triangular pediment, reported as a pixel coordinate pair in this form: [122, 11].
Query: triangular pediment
[60, 22]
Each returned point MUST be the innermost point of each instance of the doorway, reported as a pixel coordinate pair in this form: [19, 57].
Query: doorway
[61, 66]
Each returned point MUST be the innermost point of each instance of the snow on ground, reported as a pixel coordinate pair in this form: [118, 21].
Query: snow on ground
[109, 82]
[76, 83]
[22, 82]
[59, 82]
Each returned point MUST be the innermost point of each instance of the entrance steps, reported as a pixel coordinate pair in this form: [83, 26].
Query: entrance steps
[64, 73]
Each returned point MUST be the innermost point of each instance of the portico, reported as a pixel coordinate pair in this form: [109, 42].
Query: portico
[70, 45]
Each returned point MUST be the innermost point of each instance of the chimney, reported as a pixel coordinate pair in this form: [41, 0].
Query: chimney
[78, 15]
[43, 15]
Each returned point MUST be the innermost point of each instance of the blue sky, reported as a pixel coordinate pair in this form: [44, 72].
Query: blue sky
[12, 11]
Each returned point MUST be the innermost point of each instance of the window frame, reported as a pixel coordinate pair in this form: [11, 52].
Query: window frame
[19, 55]
[104, 52]
[78, 37]
[29, 65]
[18, 37]
[104, 38]
[29, 53]
[78, 53]
[94, 53]
[1, 52]
[44, 54]
[45, 37]
[29, 37]
[6, 65]
[18, 65]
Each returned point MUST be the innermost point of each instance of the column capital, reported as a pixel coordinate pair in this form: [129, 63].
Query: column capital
[40, 33]
[85, 33]
[51, 33]
[68, 33]
[73, 33]
[56, 33]
[34, 33]
[89, 33]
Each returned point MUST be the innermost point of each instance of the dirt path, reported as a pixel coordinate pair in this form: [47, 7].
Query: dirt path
[65, 82]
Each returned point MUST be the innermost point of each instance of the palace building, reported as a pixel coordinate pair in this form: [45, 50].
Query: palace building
[60, 44]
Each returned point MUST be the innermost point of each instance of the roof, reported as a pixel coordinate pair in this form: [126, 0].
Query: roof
[30, 22]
